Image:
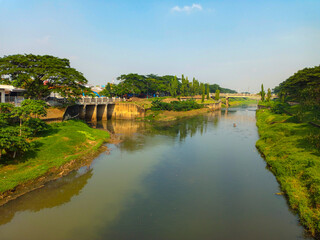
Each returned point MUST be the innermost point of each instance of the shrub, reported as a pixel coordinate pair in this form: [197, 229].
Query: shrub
[36, 125]
[175, 105]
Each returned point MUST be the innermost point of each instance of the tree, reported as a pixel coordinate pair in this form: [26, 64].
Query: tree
[41, 75]
[268, 95]
[133, 84]
[203, 93]
[262, 93]
[183, 86]
[28, 108]
[217, 95]
[195, 86]
[303, 86]
[10, 141]
[107, 91]
[5, 113]
[173, 86]
[215, 87]
[208, 92]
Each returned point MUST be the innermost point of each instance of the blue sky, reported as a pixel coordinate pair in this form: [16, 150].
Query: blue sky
[237, 44]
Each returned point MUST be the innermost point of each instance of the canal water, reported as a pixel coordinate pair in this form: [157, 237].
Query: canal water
[200, 178]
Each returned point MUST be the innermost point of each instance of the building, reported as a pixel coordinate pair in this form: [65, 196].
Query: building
[11, 94]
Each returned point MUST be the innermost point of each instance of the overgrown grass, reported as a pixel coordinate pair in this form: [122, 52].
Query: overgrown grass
[238, 101]
[292, 151]
[305, 113]
[64, 142]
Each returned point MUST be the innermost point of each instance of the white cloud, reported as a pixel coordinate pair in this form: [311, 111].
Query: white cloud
[187, 8]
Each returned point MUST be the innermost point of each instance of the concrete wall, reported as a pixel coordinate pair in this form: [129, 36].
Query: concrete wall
[126, 111]
[106, 111]
[214, 106]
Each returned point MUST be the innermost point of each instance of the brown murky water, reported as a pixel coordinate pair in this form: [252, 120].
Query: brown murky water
[200, 178]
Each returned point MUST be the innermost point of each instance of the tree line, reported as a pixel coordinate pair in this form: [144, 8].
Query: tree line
[41, 75]
[152, 85]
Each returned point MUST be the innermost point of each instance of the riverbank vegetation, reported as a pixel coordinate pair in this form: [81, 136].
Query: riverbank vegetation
[290, 141]
[292, 151]
[58, 145]
[238, 101]
[187, 105]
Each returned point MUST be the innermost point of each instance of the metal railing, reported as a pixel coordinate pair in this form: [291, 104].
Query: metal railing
[101, 100]
[14, 99]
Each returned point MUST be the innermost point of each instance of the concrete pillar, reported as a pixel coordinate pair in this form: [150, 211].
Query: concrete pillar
[102, 112]
[3, 96]
[82, 112]
[105, 113]
[94, 115]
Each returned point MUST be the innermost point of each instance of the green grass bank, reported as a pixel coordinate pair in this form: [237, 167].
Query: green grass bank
[65, 143]
[291, 149]
[238, 101]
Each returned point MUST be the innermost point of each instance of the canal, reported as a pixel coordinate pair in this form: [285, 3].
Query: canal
[198, 178]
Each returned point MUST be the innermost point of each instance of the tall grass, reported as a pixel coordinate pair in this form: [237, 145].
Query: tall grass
[292, 152]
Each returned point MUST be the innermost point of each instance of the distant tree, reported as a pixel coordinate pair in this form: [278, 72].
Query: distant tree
[215, 87]
[133, 84]
[183, 86]
[173, 87]
[107, 91]
[208, 92]
[195, 86]
[268, 95]
[203, 92]
[262, 93]
[217, 95]
[41, 75]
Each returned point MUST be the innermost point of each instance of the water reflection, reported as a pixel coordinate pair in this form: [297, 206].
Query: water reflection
[53, 194]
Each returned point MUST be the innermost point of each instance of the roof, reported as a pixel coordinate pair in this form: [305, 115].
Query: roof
[11, 88]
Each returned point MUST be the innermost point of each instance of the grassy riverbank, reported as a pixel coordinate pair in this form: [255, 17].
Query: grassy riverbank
[238, 101]
[63, 143]
[291, 149]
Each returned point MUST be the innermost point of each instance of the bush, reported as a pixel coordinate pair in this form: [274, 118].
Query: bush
[35, 125]
[158, 105]
[175, 105]
[11, 142]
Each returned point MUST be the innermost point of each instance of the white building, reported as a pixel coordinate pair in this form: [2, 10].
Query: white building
[11, 94]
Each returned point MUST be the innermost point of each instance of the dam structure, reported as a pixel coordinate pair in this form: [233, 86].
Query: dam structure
[102, 109]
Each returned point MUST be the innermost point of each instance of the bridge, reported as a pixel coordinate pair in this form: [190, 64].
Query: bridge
[103, 108]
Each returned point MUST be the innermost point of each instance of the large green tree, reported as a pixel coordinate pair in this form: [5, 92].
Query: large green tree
[303, 86]
[41, 75]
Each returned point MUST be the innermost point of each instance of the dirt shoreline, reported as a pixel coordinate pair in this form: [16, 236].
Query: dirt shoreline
[54, 173]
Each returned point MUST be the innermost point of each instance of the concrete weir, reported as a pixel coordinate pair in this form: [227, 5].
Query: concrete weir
[103, 110]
